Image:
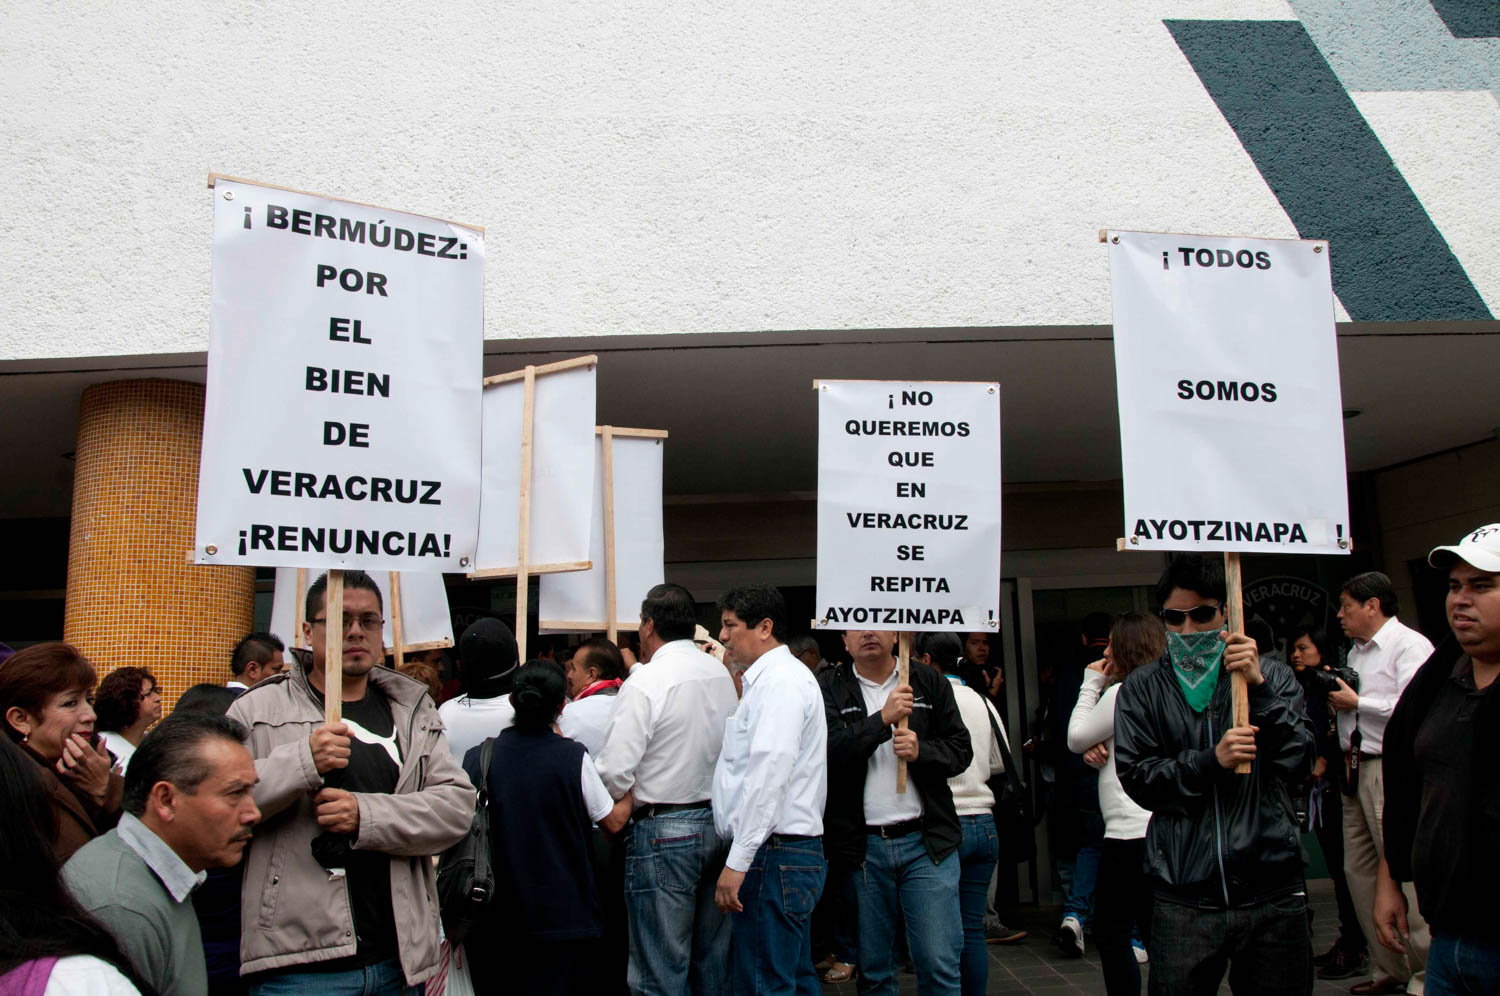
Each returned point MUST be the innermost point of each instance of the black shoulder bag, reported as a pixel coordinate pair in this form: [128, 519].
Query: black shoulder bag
[465, 877]
[1014, 827]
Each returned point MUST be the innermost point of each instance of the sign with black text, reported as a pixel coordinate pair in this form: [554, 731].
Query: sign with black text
[1231, 423]
[908, 505]
[342, 424]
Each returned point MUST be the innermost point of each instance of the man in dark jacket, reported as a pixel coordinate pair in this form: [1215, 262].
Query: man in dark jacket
[1221, 847]
[1442, 783]
[905, 842]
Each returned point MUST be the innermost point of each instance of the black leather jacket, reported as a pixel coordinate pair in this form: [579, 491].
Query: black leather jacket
[1216, 839]
[944, 750]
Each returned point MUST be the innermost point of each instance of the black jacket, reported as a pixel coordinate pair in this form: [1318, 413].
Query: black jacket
[943, 751]
[1403, 782]
[1216, 839]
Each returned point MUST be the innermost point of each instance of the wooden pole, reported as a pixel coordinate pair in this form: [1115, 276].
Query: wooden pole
[299, 608]
[399, 650]
[523, 537]
[333, 662]
[611, 622]
[1236, 609]
[903, 677]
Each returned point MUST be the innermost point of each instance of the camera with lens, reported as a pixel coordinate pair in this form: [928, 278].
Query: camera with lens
[1327, 681]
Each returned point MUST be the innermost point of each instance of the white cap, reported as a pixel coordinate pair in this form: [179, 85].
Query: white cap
[1480, 549]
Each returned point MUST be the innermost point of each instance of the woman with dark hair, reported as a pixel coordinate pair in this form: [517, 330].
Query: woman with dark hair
[544, 797]
[48, 945]
[1122, 894]
[1312, 651]
[127, 703]
[44, 699]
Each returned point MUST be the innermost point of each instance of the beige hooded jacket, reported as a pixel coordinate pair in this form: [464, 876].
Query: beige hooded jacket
[293, 912]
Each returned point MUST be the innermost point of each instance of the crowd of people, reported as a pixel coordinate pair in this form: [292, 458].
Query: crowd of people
[741, 815]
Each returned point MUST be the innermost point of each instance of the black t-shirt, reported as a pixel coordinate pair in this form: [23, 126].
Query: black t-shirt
[374, 766]
[1455, 881]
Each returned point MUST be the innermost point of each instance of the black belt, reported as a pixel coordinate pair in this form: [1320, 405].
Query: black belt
[794, 837]
[896, 829]
[650, 809]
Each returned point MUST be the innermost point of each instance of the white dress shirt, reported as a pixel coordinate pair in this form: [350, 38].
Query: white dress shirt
[587, 719]
[667, 727]
[883, 805]
[772, 775]
[470, 722]
[1386, 662]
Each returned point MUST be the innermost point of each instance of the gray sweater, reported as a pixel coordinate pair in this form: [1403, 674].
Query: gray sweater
[139, 905]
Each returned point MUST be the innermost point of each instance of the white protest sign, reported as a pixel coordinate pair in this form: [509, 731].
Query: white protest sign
[341, 428]
[1231, 423]
[576, 602]
[426, 622]
[562, 469]
[908, 505]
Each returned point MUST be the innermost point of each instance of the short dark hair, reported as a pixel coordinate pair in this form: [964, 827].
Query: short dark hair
[603, 656]
[319, 589]
[172, 753]
[802, 643]
[256, 648]
[1193, 572]
[118, 701]
[538, 694]
[671, 609]
[754, 602]
[29, 677]
[1327, 652]
[212, 700]
[945, 648]
[1373, 584]
[1096, 626]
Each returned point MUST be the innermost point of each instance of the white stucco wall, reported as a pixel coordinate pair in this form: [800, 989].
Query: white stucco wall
[641, 167]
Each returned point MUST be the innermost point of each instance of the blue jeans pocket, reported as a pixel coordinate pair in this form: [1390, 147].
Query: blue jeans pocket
[641, 874]
[801, 885]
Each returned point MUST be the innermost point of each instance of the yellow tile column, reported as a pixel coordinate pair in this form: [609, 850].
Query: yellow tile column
[133, 596]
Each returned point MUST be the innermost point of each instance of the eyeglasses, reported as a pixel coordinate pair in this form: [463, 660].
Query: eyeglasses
[368, 621]
[1198, 614]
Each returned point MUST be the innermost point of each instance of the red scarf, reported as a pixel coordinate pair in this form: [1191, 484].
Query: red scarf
[598, 686]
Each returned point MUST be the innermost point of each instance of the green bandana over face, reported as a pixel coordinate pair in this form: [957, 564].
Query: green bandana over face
[1195, 662]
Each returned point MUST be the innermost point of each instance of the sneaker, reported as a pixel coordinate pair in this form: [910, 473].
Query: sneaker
[1345, 964]
[1141, 957]
[1327, 956]
[1070, 937]
[996, 932]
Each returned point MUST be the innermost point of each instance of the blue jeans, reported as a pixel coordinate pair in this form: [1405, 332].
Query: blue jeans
[1080, 873]
[976, 863]
[1267, 949]
[1457, 965]
[382, 979]
[679, 941]
[900, 881]
[772, 938]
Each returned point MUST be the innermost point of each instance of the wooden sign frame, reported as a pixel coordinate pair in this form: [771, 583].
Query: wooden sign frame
[611, 624]
[524, 569]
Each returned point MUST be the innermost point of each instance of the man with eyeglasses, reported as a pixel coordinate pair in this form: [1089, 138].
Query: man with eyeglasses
[340, 895]
[1222, 848]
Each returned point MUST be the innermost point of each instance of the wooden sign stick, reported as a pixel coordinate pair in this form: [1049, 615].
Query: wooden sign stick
[903, 677]
[333, 662]
[398, 652]
[607, 448]
[523, 538]
[1241, 692]
[299, 609]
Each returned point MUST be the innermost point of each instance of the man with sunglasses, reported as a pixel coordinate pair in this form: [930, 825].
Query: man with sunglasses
[340, 896]
[1222, 848]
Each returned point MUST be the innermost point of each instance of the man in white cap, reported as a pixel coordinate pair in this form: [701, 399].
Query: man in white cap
[1442, 783]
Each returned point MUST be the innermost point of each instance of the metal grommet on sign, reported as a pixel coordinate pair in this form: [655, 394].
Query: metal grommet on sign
[210, 549]
[463, 561]
[1317, 248]
[1115, 240]
[1343, 544]
[229, 195]
[1135, 541]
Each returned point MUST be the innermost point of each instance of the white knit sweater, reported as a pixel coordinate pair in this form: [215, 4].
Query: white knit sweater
[1093, 722]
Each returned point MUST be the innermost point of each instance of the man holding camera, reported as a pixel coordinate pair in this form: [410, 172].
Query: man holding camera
[1386, 655]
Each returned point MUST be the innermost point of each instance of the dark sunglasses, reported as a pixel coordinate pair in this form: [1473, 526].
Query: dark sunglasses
[1198, 614]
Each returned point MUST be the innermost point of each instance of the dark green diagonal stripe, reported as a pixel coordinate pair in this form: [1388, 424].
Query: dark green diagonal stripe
[1469, 18]
[1328, 169]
